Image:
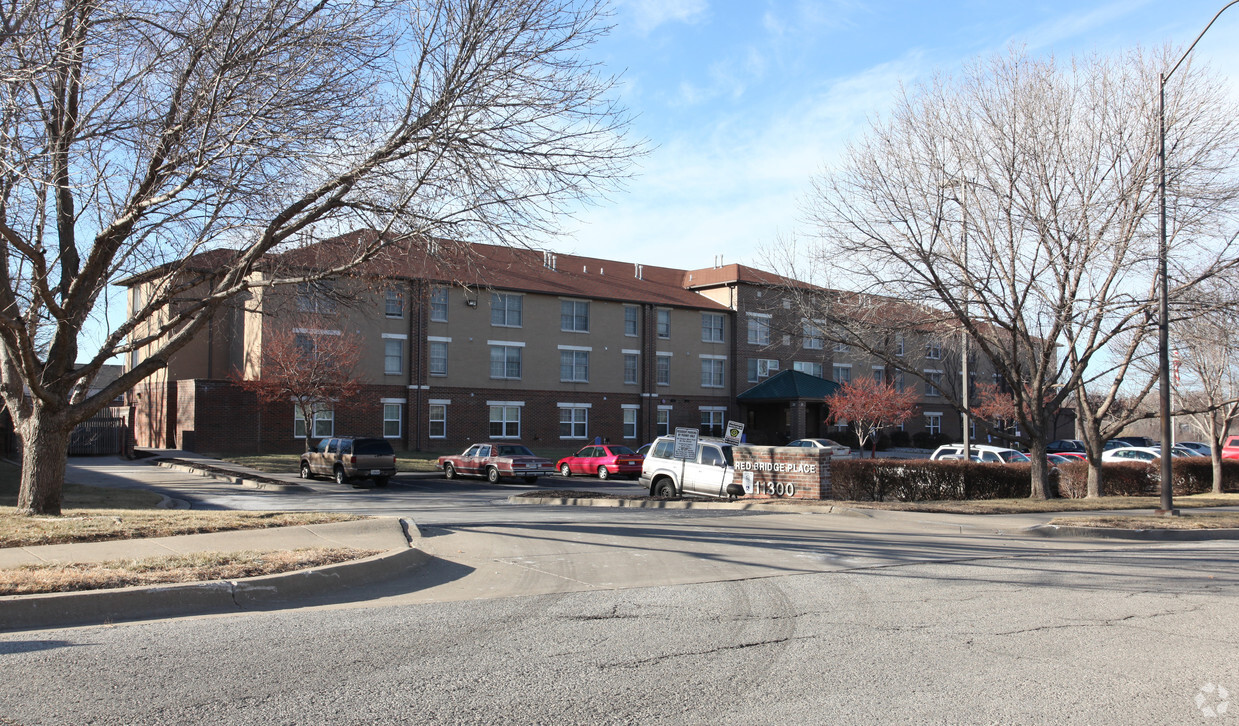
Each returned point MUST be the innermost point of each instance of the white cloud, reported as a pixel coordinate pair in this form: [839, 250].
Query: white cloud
[649, 14]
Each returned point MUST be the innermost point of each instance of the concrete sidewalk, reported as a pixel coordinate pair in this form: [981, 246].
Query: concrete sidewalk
[395, 538]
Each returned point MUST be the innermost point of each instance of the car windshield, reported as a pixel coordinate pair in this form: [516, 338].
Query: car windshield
[372, 447]
[621, 451]
[512, 451]
[1010, 456]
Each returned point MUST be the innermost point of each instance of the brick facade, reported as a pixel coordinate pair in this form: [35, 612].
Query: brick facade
[773, 472]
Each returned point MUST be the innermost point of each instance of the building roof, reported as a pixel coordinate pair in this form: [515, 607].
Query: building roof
[734, 273]
[790, 385]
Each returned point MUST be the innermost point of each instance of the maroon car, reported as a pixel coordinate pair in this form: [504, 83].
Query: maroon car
[495, 461]
[604, 460]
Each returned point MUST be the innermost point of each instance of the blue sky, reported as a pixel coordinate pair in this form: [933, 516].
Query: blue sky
[742, 102]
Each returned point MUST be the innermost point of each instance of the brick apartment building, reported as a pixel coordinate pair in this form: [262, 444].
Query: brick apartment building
[552, 350]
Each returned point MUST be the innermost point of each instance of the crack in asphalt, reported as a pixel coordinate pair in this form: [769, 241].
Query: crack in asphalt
[710, 651]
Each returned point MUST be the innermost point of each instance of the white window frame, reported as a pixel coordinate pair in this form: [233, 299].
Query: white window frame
[837, 368]
[662, 421]
[505, 407]
[506, 345]
[662, 365]
[709, 414]
[712, 332]
[662, 323]
[814, 338]
[393, 296]
[393, 341]
[568, 323]
[933, 422]
[573, 409]
[717, 370]
[635, 357]
[933, 382]
[813, 368]
[431, 420]
[319, 418]
[440, 296]
[432, 342]
[577, 373]
[758, 328]
[933, 349]
[388, 404]
[636, 320]
[506, 308]
[630, 411]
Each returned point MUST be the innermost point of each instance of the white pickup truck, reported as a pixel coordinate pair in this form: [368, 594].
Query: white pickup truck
[709, 474]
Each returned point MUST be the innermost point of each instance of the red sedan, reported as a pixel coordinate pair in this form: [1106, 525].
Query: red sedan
[604, 460]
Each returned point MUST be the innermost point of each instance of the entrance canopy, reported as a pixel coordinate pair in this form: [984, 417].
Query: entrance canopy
[790, 386]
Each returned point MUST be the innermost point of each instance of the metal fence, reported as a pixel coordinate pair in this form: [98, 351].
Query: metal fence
[98, 436]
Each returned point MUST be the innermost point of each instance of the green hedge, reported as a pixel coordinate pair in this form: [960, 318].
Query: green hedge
[1192, 475]
[921, 480]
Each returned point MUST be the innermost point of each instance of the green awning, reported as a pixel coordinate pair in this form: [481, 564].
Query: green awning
[790, 386]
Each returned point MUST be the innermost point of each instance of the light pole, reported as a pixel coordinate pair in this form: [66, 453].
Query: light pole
[1163, 325]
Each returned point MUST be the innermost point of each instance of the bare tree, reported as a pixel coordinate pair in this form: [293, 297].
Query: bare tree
[1016, 203]
[137, 135]
[311, 370]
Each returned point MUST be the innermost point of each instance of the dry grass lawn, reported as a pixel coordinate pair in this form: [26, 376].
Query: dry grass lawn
[36, 579]
[1187, 520]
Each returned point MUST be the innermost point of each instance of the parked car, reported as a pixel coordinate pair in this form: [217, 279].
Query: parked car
[1056, 459]
[349, 460]
[495, 461]
[1063, 446]
[1140, 453]
[1201, 449]
[980, 452]
[1138, 441]
[1230, 448]
[1073, 455]
[836, 449]
[709, 473]
[604, 460]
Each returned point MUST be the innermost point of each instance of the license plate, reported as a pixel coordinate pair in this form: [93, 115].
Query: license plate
[375, 472]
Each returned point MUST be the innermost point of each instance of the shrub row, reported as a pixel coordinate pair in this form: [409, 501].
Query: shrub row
[1192, 475]
[921, 480]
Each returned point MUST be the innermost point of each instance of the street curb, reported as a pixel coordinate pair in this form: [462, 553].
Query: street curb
[232, 479]
[267, 592]
[1157, 535]
[680, 504]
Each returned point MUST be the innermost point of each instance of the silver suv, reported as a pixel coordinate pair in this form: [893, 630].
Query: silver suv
[348, 460]
[708, 474]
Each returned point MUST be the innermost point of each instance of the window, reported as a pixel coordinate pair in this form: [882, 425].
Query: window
[712, 327]
[762, 368]
[813, 369]
[899, 381]
[505, 309]
[573, 421]
[392, 417]
[505, 421]
[842, 348]
[842, 373]
[662, 369]
[393, 356]
[879, 374]
[438, 305]
[933, 381]
[574, 316]
[315, 297]
[631, 326]
[812, 336]
[438, 357]
[712, 421]
[631, 367]
[324, 422]
[712, 372]
[933, 423]
[304, 344]
[899, 344]
[574, 366]
[438, 421]
[663, 422]
[630, 422]
[933, 350]
[505, 361]
[663, 319]
[393, 304]
[759, 329]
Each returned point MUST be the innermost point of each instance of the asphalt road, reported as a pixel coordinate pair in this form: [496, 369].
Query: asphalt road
[573, 615]
[1134, 636]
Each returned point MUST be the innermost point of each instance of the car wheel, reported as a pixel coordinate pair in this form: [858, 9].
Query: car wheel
[492, 475]
[340, 477]
[565, 470]
[531, 480]
[603, 474]
[380, 481]
[665, 488]
[449, 471]
[305, 470]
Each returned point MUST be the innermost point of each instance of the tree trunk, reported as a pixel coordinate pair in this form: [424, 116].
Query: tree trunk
[45, 447]
[1040, 484]
[1094, 475]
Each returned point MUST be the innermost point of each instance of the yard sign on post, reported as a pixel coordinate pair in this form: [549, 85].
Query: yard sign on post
[735, 432]
[686, 443]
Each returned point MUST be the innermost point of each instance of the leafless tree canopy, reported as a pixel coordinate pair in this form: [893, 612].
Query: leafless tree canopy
[137, 133]
[1019, 203]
